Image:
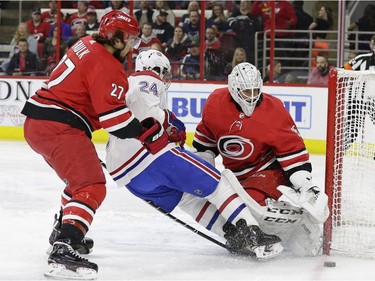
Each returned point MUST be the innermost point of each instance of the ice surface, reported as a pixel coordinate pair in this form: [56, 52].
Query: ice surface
[132, 240]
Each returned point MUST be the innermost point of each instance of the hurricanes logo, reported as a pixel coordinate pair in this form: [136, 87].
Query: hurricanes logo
[235, 147]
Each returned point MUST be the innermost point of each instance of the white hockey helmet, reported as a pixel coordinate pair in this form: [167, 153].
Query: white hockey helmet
[157, 62]
[245, 86]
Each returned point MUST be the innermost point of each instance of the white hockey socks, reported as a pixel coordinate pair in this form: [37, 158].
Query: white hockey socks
[228, 202]
[203, 212]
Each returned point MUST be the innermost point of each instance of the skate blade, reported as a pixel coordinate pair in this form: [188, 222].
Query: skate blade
[269, 251]
[59, 272]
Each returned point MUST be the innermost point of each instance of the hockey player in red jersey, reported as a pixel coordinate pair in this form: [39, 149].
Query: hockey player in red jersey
[84, 93]
[259, 141]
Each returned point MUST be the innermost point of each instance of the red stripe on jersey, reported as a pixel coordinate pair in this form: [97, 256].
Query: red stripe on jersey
[196, 163]
[116, 119]
[227, 202]
[201, 213]
[129, 161]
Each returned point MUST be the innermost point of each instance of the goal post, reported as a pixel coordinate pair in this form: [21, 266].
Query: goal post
[350, 164]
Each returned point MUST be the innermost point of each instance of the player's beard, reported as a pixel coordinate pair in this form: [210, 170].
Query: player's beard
[120, 54]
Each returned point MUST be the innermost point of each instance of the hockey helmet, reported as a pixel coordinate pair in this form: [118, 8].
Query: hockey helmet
[157, 62]
[245, 86]
[117, 20]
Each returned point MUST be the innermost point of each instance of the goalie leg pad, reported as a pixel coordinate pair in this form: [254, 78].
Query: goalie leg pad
[300, 233]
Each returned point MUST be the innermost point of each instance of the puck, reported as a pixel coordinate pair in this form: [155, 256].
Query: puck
[329, 264]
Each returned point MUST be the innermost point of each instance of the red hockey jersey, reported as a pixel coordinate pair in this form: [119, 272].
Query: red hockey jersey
[250, 144]
[89, 82]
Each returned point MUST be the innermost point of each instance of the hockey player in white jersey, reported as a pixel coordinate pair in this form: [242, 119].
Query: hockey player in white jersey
[171, 176]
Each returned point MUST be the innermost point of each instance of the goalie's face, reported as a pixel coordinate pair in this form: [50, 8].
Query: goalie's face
[250, 95]
[245, 86]
[372, 46]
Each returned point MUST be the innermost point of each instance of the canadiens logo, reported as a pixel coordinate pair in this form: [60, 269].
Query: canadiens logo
[235, 147]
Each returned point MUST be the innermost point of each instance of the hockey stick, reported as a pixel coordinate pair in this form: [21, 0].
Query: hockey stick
[186, 225]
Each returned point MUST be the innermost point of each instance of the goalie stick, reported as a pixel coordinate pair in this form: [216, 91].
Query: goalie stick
[184, 224]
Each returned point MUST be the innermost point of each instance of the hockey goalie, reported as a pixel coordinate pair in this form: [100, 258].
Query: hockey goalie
[260, 143]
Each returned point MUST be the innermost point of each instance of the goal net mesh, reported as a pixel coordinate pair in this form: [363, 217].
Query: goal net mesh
[353, 186]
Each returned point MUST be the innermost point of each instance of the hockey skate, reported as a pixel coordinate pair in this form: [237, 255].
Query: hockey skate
[265, 246]
[83, 248]
[251, 241]
[65, 263]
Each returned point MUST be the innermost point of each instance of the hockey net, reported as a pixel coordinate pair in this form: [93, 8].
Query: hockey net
[350, 164]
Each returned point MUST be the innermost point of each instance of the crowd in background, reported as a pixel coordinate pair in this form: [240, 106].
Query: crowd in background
[230, 30]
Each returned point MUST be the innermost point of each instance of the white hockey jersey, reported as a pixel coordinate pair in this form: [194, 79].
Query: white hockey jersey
[144, 101]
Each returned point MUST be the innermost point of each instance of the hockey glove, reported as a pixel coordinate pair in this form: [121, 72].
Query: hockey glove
[153, 137]
[175, 128]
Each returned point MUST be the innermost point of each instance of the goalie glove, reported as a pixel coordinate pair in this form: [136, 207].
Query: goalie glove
[153, 136]
[305, 194]
[175, 128]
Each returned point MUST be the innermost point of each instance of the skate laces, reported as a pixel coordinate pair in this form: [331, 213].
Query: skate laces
[72, 252]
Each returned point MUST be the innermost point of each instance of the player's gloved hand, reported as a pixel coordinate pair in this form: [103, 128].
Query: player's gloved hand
[306, 195]
[153, 136]
[175, 128]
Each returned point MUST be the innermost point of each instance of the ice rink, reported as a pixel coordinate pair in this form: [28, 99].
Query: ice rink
[132, 240]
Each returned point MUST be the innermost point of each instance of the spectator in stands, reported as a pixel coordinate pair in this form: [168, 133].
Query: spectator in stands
[66, 30]
[303, 22]
[37, 27]
[178, 46]
[218, 18]
[158, 47]
[291, 78]
[147, 39]
[192, 28]
[80, 32]
[48, 16]
[285, 18]
[245, 26]
[193, 6]
[163, 5]
[92, 23]
[79, 17]
[212, 42]
[323, 22]
[49, 60]
[239, 56]
[163, 29]
[21, 32]
[366, 23]
[190, 69]
[24, 62]
[319, 75]
[117, 5]
[278, 76]
[145, 13]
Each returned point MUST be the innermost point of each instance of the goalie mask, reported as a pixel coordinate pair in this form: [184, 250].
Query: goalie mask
[245, 86]
[158, 63]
